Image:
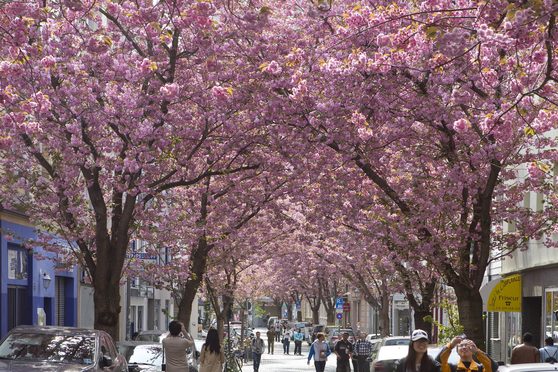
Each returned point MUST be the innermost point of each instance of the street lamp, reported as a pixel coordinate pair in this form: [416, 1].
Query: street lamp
[46, 279]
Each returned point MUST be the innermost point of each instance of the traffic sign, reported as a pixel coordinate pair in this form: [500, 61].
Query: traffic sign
[339, 316]
[347, 307]
[339, 303]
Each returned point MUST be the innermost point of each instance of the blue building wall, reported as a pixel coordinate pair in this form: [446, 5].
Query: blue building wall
[14, 232]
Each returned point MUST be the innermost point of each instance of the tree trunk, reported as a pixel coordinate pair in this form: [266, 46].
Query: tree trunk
[316, 315]
[190, 288]
[383, 312]
[106, 299]
[330, 315]
[422, 306]
[420, 323]
[220, 326]
[469, 303]
[289, 311]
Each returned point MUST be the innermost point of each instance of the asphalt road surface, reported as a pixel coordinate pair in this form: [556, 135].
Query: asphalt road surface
[278, 362]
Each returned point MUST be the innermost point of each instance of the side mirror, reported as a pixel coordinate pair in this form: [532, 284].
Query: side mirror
[105, 361]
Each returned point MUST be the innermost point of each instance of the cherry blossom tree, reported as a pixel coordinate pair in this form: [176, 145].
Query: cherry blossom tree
[107, 106]
[440, 105]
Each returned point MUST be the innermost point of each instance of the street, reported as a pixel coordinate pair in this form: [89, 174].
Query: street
[288, 363]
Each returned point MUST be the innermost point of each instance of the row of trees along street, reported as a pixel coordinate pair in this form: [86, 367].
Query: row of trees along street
[281, 147]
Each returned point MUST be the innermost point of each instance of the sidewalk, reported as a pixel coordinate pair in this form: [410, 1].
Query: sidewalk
[279, 362]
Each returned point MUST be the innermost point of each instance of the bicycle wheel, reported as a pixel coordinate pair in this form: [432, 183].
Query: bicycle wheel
[232, 366]
[239, 362]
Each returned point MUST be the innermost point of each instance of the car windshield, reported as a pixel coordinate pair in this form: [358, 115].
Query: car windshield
[145, 354]
[149, 337]
[397, 341]
[63, 348]
[392, 352]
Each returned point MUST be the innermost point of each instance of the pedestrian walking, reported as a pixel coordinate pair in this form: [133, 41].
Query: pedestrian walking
[525, 352]
[212, 357]
[286, 342]
[278, 331]
[175, 346]
[549, 353]
[361, 352]
[344, 351]
[258, 347]
[298, 338]
[417, 359]
[319, 350]
[270, 340]
[466, 349]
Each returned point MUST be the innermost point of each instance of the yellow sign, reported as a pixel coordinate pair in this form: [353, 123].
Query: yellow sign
[506, 295]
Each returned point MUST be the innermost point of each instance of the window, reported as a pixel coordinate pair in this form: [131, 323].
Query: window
[17, 262]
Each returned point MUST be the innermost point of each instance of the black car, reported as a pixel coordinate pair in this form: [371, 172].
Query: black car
[48, 348]
[148, 356]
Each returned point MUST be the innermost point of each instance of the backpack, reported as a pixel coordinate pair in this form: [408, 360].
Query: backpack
[551, 359]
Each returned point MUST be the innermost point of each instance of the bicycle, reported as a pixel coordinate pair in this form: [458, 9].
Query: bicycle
[232, 362]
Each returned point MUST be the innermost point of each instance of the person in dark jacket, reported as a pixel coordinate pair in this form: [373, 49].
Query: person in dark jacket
[417, 359]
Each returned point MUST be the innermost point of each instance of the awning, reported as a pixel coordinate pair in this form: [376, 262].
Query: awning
[502, 295]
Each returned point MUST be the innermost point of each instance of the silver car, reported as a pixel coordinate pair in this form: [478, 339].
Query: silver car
[60, 349]
[529, 367]
[148, 356]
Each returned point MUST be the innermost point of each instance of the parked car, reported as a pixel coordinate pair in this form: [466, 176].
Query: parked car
[319, 328]
[37, 348]
[385, 358]
[148, 356]
[387, 351]
[373, 336]
[142, 356]
[335, 335]
[529, 367]
[150, 335]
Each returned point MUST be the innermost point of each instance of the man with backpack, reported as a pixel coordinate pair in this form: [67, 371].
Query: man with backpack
[549, 353]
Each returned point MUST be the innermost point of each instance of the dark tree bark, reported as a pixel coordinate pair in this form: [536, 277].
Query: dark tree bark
[197, 266]
[329, 293]
[315, 303]
[422, 305]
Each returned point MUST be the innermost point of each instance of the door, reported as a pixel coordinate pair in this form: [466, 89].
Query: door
[17, 306]
[60, 288]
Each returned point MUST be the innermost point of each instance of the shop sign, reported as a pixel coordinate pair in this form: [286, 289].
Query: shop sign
[506, 295]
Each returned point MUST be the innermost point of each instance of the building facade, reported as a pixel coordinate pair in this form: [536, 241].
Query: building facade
[33, 290]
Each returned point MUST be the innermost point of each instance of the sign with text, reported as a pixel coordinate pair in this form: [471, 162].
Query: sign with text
[506, 295]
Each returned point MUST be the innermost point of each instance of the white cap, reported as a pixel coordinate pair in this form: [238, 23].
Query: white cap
[419, 334]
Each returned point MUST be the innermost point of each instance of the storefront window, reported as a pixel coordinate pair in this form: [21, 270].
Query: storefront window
[551, 314]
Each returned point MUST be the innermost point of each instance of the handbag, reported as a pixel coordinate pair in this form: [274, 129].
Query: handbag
[163, 365]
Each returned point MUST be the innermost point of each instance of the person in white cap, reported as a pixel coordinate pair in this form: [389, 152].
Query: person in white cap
[417, 359]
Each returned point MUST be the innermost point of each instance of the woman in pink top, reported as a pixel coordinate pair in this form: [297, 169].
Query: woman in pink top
[175, 346]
